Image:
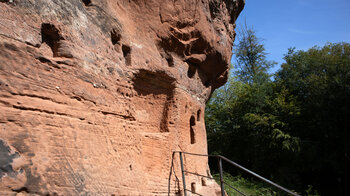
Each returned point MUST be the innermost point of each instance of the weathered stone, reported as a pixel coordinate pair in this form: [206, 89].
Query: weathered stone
[96, 95]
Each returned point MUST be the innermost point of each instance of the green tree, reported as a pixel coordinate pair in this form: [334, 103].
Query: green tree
[245, 118]
[320, 80]
[250, 54]
[294, 129]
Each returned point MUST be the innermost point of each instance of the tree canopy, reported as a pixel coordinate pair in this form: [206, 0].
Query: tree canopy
[251, 61]
[320, 80]
[293, 129]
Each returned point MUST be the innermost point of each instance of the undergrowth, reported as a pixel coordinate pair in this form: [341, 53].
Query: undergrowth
[247, 186]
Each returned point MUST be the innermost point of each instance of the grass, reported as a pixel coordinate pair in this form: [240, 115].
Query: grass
[246, 186]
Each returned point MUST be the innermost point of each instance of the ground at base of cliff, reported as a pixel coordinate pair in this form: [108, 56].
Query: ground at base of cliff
[252, 187]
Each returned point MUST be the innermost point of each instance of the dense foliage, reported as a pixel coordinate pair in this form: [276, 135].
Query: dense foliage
[293, 129]
[320, 80]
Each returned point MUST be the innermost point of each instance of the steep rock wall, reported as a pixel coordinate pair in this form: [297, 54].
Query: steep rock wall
[95, 95]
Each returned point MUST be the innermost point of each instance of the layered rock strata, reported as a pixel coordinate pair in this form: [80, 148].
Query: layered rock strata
[95, 95]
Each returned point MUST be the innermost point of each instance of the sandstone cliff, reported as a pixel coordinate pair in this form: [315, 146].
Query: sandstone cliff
[95, 95]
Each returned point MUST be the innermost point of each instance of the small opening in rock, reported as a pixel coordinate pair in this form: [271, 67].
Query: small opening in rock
[193, 139]
[44, 60]
[115, 37]
[170, 61]
[51, 36]
[199, 115]
[192, 121]
[21, 189]
[204, 182]
[192, 134]
[191, 70]
[87, 2]
[193, 187]
[207, 83]
[126, 53]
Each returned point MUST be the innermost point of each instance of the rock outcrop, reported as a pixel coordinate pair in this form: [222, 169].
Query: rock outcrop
[95, 95]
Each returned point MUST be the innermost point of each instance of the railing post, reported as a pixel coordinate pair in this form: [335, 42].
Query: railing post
[183, 174]
[221, 177]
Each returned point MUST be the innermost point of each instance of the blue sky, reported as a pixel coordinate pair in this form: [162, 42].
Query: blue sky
[296, 23]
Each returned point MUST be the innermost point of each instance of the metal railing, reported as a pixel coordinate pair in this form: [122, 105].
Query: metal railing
[222, 182]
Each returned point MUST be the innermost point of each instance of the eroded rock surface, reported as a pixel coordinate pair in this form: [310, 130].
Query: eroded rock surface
[95, 95]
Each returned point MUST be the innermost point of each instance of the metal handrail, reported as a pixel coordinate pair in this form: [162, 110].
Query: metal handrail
[220, 158]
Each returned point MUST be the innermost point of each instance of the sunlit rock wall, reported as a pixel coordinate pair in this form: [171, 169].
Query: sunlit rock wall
[95, 95]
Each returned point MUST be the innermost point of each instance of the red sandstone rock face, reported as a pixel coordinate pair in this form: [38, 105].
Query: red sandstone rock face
[95, 95]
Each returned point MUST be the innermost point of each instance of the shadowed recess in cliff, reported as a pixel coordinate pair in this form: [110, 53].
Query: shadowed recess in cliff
[6, 159]
[197, 52]
[199, 114]
[51, 36]
[127, 54]
[87, 2]
[157, 92]
[115, 36]
[192, 133]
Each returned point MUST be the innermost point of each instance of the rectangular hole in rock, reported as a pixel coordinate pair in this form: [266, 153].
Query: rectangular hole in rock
[191, 70]
[199, 115]
[127, 54]
[115, 37]
[192, 134]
